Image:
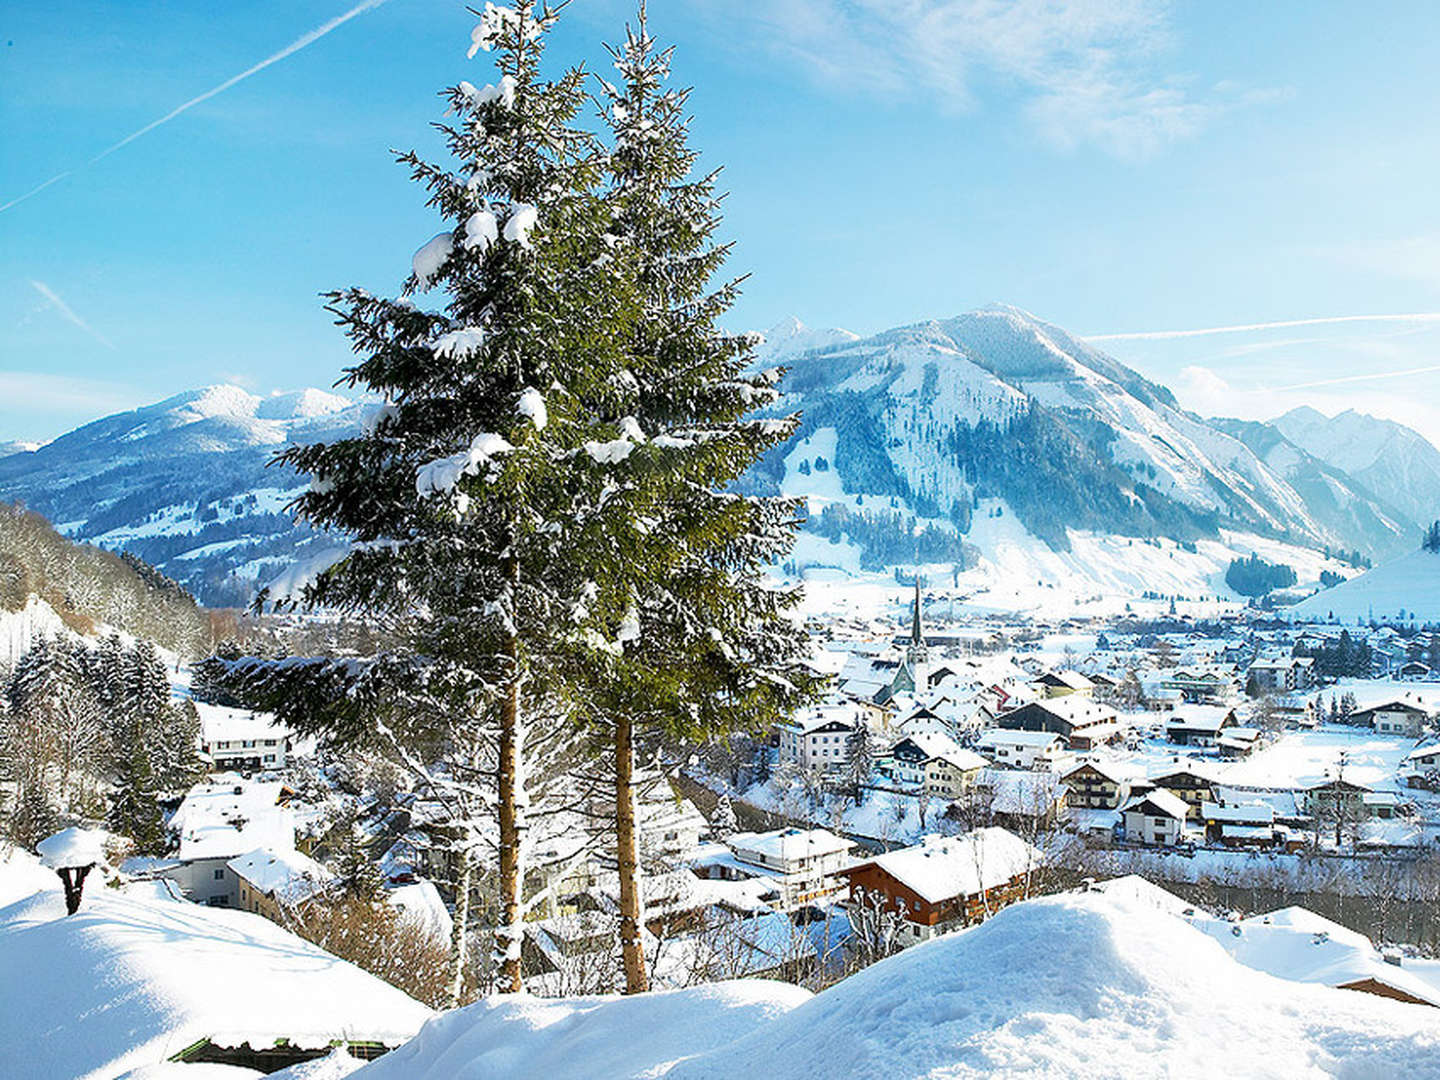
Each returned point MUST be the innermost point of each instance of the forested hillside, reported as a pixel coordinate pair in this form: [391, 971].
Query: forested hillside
[86, 586]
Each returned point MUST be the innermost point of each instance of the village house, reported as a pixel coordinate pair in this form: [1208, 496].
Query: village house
[1402, 716]
[1201, 686]
[1198, 729]
[941, 884]
[932, 763]
[269, 882]
[1336, 800]
[1192, 787]
[1083, 723]
[1238, 742]
[1247, 825]
[239, 740]
[1022, 749]
[1096, 786]
[1023, 800]
[1421, 767]
[803, 863]
[220, 820]
[819, 739]
[1157, 818]
[1284, 675]
[1054, 684]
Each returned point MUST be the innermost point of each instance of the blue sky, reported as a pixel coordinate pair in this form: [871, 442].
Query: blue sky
[1112, 165]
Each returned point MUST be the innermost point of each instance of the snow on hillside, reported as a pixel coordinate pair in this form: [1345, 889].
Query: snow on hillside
[1405, 590]
[136, 976]
[1096, 985]
[21, 629]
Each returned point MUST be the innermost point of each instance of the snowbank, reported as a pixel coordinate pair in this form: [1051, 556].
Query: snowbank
[600, 1038]
[131, 979]
[1093, 985]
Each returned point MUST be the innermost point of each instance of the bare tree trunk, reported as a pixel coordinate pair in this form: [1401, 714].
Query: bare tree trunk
[460, 932]
[632, 949]
[512, 872]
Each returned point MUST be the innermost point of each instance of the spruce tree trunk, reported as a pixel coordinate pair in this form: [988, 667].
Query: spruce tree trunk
[512, 871]
[460, 933]
[632, 949]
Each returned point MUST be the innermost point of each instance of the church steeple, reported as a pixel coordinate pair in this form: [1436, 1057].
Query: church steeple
[917, 656]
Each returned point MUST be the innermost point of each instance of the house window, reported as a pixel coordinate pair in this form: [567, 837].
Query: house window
[269, 757]
[220, 874]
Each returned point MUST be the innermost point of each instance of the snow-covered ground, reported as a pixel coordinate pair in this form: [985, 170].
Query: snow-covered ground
[1093, 985]
[1406, 590]
[137, 975]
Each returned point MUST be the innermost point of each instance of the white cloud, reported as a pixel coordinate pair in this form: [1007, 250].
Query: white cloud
[56, 301]
[1085, 70]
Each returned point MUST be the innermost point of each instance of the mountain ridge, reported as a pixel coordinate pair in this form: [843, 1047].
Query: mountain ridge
[909, 438]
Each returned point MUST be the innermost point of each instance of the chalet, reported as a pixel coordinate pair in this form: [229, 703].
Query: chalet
[1399, 717]
[1054, 684]
[1190, 786]
[1336, 799]
[1201, 686]
[804, 862]
[1083, 723]
[1021, 799]
[1157, 818]
[1415, 671]
[818, 740]
[1021, 749]
[941, 884]
[1238, 742]
[219, 821]
[1421, 767]
[1096, 786]
[238, 740]
[1198, 729]
[932, 763]
[271, 883]
[1249, 825]
[1284, 675]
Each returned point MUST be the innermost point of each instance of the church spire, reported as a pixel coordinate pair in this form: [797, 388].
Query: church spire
[916, 637]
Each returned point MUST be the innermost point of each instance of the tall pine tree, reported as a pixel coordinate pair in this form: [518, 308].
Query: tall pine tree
[706, 645]
[480, 496]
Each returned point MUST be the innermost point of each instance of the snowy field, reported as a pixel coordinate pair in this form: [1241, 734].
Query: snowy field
[1301, 759]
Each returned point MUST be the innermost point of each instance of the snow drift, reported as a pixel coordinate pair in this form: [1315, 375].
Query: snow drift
[1089, 985]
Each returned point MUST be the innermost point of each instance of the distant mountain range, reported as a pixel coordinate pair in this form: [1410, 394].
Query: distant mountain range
[914, 443]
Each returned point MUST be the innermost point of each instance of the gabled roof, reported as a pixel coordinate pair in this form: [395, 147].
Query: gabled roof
[1159, 802]
[941, 869]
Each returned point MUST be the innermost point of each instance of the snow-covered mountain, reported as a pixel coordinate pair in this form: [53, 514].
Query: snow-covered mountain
[1405, 590]
[1386, 457]
[999, 410]
[184, 483]
[989, 436]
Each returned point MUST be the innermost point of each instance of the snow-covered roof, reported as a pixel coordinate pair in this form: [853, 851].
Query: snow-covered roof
[134, 977]
[1295, 943]
[286, 874]
[1009, 737]
[221, 723]
[1167, 802]
[1253, 813]
[787, 845]
[228, 816]
[939, 869]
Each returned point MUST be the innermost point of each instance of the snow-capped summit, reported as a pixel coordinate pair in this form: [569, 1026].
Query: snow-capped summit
[1388, 458]
[791, 336]
[301, 405]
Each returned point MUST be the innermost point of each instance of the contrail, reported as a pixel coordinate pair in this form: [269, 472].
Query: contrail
[1145, 335]
[294, 47]
[69, 313]
[1360, 378]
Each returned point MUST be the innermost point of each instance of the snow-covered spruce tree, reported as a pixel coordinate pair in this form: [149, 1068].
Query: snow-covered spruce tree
[478, 496]
[705, 645]
[135, 806]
